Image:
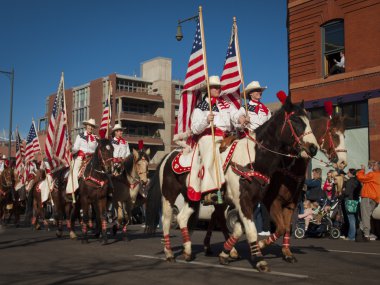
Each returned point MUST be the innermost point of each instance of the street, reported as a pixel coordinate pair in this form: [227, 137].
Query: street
[38, 257]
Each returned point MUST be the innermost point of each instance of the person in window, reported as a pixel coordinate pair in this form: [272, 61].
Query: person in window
[339, 66]
[85, 145]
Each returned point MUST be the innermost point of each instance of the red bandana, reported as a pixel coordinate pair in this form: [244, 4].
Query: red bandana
[260, 107]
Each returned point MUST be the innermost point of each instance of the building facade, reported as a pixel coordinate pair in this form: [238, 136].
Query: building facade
[145, 106]
[334, 55]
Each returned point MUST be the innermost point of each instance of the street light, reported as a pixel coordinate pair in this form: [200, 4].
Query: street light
[12, 77]
[179, 35]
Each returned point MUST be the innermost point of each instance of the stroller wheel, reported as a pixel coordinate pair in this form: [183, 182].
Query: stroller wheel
[299, 233]
[334, 233]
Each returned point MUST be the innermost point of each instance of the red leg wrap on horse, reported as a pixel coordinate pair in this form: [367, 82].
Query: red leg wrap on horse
[125, 229]
[185, 234]
[286, 241]
[84, 228]
[230, 243]
[90, 224]
[271, 239]
[68, 224]
[255, 250]
[33, 220]
[167, 242]
[104, 225]
[59, 224]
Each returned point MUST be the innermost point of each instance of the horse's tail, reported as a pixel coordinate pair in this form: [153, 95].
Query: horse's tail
[154, 198]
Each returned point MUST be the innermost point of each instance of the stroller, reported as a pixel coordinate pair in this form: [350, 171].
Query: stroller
[322, 224]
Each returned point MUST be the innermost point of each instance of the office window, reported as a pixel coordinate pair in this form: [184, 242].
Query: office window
[81, 106]
[333, 48]
[356, 114]
[178, 91]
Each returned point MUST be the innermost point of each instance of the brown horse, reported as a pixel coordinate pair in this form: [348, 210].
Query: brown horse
[94, 187]
[7, 193]
[283, 193]
[128, 185]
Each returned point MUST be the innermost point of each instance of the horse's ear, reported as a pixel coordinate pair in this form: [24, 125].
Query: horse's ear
[135, 154]
[148, 152]
[302, 105]
[288, 105]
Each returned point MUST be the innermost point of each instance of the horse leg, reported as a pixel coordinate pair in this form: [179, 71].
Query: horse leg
[288, 214]
[102, 207]
[210, 228]
[183, 218]
[230, 243]
[70, 219]
[119, 219]
[167, 212]
[85, 209]
[125, 220]
[278, 218]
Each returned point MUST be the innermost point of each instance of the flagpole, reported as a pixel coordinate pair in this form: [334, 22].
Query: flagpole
[38, 139]
[209, 98]
[68, 138]
[240, 67]
[109, 106]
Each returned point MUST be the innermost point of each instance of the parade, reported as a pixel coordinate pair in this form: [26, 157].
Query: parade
[282, 184]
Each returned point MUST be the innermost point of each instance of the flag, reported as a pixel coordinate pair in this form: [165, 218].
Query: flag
[195, 79]
[19, 155]
[105, 120]
[58, 144]
[32, 144]
[231, 77]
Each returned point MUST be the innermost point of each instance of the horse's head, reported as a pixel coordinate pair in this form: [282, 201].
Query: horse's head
[7, 178]
[104, 153]
[295, 130]
[330, 135]
[34, 178]
[141, 163]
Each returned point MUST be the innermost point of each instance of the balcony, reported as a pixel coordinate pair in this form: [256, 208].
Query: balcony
[141, 117]
[143, 96]
[148, 140]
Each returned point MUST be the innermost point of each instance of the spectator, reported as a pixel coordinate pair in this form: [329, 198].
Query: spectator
[339, 66]
[351, 196]
[314, 190]
[329, 183]
[370, 166]
[262, 220]
[370, 196]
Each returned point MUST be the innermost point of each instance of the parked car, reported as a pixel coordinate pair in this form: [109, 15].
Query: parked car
[205, 213]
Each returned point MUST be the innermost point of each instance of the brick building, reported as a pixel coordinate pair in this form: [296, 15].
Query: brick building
[318, 31]
[145, 106]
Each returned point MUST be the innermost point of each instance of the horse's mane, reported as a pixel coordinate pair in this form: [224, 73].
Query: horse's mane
[129, 161]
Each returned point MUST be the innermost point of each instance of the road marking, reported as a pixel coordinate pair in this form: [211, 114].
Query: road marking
[354, 252]
[205, 264]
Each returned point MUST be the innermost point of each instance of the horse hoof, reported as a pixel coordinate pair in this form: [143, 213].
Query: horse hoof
[262, 266]
[208, 251]
[170, 259]
[234, 255]
[114, 230]
[188, 257]
[290, 259]
[73, 236]
[58, 234]
[223, 260]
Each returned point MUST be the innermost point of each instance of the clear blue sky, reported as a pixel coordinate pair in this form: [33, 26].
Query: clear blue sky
[88, 39]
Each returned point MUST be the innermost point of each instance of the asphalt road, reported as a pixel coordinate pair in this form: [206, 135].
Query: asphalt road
[38, 257]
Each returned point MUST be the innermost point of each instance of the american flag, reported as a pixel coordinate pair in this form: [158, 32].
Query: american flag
[57, 144]
[19, 155]
[105, 120]
[231, 77]
[195, 79]
[32, 144]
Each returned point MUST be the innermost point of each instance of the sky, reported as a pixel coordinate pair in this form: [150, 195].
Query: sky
[88, 39]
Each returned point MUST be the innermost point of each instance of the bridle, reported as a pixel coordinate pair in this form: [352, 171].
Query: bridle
[102, 159]
[294, 134]
[331, 144]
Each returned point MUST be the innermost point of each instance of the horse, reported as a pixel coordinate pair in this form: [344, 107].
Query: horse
[94, 187]
[7, 193]
[329, 133]
[128, 185]
[283, 193]
[293, 135]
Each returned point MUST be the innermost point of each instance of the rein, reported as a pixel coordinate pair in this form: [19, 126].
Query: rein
[294, 134]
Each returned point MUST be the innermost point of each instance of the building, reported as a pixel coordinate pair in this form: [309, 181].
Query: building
[145, 106]
[318, 31]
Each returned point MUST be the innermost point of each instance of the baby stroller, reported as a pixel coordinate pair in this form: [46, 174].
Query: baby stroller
[321, 225]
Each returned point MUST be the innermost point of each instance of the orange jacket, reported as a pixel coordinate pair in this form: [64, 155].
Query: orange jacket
[371, 184]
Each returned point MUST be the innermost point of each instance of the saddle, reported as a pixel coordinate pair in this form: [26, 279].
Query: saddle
[84, 165]
[226, 142]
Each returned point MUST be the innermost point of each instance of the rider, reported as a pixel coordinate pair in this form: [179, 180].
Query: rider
[85, 145]
[224, 115]
[120, 145]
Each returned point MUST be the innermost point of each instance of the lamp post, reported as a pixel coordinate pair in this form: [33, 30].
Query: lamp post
[12, 77]
[179, 35]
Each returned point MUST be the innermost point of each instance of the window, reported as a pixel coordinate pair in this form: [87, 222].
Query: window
[332, 47]
[139, 108]
[81, 106]
[129, 85]
[178, 91]
[42, 124]
[176, 110]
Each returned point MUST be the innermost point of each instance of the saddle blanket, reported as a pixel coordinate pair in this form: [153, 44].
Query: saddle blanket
[182, 161]
[43, 188]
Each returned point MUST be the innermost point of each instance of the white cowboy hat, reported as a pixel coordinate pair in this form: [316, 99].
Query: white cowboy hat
[90, 122]
[4, 157]
[214, 80]
[254, 85]
[117, 127]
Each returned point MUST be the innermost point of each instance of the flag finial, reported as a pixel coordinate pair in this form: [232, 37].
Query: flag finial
[141, 144]
[281, 95]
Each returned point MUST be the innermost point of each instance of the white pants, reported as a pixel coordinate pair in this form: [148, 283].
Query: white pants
[202, 176]
[72, 181]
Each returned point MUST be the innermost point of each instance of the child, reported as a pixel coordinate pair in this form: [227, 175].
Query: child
[329, 183]
[308, 213]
